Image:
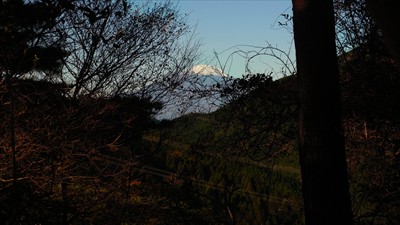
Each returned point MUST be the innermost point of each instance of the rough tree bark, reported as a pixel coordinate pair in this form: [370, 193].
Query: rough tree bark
[322, 153]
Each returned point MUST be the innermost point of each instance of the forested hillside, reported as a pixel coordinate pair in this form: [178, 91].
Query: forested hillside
[242, 159]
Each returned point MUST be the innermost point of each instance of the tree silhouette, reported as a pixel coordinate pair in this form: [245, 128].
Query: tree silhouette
[384, 13]
[118, 50]
[24, 39]
[24, 48]
[76, 92]
[321, 142]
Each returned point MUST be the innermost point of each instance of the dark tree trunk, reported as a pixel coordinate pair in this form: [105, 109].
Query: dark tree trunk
[322, 153]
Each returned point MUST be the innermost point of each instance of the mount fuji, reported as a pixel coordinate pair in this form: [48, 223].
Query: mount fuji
[200, 92]
[207, 70]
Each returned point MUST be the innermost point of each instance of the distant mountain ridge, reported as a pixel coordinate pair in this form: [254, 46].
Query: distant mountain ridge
[198, 93]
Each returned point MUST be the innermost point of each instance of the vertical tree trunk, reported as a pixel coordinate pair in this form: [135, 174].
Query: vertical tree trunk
[322, 153]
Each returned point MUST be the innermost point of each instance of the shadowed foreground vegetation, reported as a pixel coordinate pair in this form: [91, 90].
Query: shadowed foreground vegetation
[238, 164]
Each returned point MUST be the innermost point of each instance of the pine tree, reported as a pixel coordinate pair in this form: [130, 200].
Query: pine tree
[27, 39]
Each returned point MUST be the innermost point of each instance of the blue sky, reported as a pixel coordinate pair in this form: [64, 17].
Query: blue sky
[223, 24]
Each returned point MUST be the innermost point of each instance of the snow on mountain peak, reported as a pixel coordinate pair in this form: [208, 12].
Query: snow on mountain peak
[203, 69]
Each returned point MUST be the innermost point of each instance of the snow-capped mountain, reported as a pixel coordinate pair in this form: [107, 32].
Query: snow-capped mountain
[200, 92]
[207, 70]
